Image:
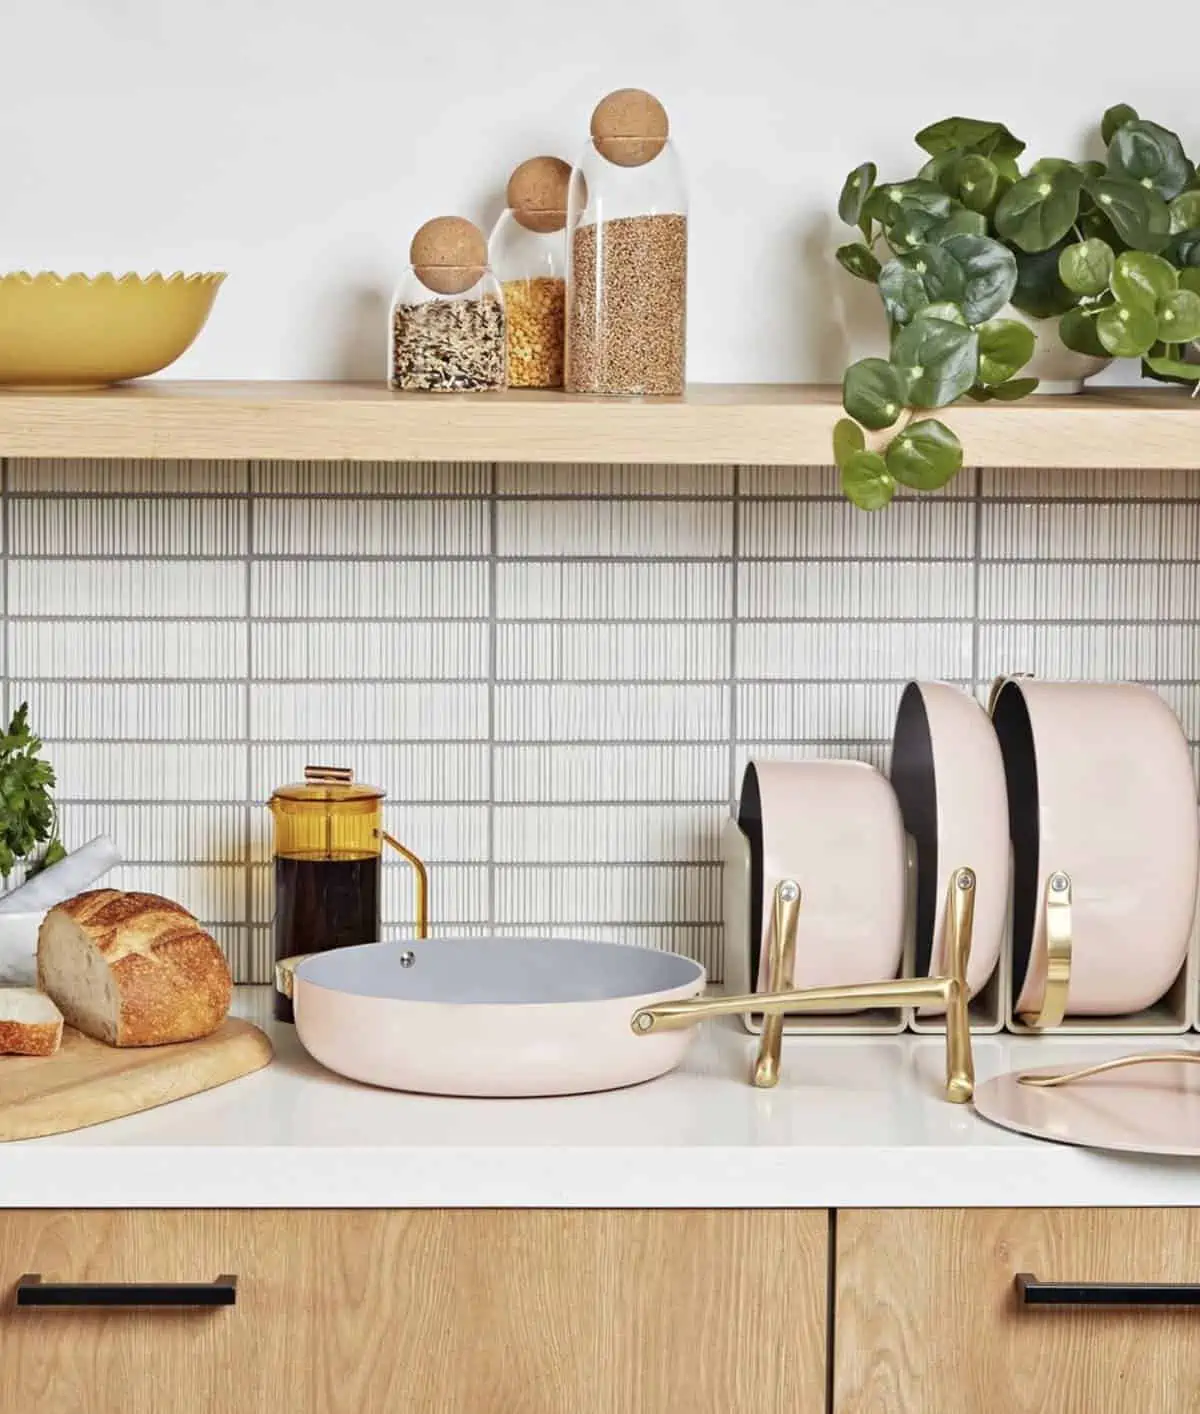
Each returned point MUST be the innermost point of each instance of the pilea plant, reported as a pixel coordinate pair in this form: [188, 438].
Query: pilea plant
[28, 818]
[1109, 247]
[1140, 301]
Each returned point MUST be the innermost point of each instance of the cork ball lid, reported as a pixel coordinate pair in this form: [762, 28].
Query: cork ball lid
[448, 254]
[537, 193]
[630, 127]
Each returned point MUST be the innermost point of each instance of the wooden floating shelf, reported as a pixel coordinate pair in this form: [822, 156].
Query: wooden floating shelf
[713, 424]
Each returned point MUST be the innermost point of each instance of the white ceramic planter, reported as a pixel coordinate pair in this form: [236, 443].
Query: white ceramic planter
[1059, 369]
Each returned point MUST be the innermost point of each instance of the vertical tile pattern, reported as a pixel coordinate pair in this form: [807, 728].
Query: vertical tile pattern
[558, 673]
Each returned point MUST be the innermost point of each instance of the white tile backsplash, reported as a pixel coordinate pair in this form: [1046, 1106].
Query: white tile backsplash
[103, 589]
[355, 650]
[557, 673]
[128, 526]
[130, 648]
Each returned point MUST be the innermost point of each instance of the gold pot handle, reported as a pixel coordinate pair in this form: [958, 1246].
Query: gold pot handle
[418, 868]
[781, 967]
[1058, 955]
[960, 1062]
[950, 992]
[285, 972]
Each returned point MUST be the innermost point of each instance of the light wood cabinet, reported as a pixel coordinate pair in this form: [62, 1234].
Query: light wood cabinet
[450, 1312]
[926, 1314]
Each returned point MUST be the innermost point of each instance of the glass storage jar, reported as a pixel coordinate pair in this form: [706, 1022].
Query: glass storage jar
[529, 257]
[627, 253]
[448, 324]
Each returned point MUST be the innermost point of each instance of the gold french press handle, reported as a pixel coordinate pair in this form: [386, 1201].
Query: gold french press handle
[418, 867]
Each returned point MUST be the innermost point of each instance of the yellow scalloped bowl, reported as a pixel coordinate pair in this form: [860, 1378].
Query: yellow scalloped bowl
[87, 331]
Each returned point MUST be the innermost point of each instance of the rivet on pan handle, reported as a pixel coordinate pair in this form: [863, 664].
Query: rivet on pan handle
[1058, 955]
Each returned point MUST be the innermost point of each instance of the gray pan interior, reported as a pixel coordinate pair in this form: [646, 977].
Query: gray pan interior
[500, 971]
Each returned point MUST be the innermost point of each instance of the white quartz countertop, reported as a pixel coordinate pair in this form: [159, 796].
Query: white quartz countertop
[854, 1122]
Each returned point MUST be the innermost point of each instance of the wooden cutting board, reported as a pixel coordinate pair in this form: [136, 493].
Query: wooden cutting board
[88, 1082]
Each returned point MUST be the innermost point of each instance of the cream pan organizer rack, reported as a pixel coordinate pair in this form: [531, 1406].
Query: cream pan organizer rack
[1074, 806]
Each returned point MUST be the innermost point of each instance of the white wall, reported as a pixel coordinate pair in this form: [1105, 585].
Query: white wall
[299, 142]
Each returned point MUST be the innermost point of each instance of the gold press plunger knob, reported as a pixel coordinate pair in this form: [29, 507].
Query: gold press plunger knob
[630, 127]
[448, 254]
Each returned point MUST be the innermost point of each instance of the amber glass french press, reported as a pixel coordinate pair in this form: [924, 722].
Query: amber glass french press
[329, 840]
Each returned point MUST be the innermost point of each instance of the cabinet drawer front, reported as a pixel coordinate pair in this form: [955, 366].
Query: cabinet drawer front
[457, 1312]
[1018, 1311]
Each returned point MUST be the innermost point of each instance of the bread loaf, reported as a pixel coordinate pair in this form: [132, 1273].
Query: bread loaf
[30, 1023]
[132, 969]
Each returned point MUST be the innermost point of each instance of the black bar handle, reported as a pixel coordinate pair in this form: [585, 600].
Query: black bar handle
[33, 1291]
[1031, 1292]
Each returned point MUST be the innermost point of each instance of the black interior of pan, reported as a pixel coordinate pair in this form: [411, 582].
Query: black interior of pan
[750, 821]
[1015, 731]
[916, 789]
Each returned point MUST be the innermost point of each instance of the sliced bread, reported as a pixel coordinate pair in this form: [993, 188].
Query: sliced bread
[133, 969]
[30, 1023]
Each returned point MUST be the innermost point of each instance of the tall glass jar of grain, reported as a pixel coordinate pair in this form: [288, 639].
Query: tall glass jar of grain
[627, 253]
[448, 326]
[528, 251]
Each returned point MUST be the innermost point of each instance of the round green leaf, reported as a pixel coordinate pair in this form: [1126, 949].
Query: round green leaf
[1005, 347]
[976, 182]
[946, 310]
[1040, 291]
[937, 361]
[886, 202]
[873, 392]
[847, 439]
[1038, 211]
[973, 134]
[1141, 279]
[1179, 318]
[1185, 212]
[1151, 156]
[938, 169]
[1116, 117]
[1048, 166]
[867, 481]
[989, 272]
[925, 455]
[1126, 331]
[1189, 279]
[910, 227]
[1077, 330]
[1137, 214]
[1171, 370]
[859, 260]
[928, 275]
[1013, 391]
[1085, 268]
[959, 223]
[855, 191]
